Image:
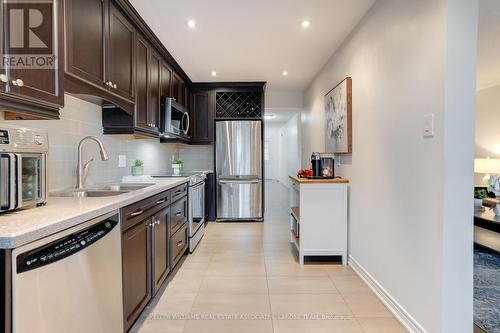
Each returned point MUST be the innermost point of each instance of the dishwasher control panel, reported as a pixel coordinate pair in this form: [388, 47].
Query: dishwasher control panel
[64, 247]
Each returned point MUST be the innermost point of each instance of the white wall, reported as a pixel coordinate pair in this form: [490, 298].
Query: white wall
[283, 140]
[284, 99]
[403, 58]
[79, 119]
[288, 147]
[488, 123]
[272, 165]
[487, 126]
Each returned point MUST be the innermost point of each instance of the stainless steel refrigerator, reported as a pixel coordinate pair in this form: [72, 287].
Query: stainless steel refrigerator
[238, 170]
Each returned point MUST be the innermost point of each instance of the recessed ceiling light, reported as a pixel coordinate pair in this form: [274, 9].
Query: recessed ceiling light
[268, 116]
[214, 73]
[285, 73]
[191, 24]
[305, 24]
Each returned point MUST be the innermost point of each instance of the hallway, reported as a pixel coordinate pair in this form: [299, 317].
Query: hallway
[244, 277]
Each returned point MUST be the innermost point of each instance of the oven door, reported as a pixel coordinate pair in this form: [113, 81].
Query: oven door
[32, 175]
[8, 182]
[196, 207]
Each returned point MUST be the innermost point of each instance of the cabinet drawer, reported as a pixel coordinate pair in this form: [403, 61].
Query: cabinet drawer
[178, 192]
[136, 212]
[178, 214]
[178, 244]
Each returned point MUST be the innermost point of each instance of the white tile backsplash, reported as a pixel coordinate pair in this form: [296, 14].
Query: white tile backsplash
[79, 119]
[197, 157]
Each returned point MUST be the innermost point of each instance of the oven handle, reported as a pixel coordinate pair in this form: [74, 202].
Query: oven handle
[197, 187]
[12, 181]
[19, 160]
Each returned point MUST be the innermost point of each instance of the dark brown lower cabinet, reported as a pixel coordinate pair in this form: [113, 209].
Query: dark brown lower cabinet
[149, 248]
[136, 259]
[161, 264]
[178, 244]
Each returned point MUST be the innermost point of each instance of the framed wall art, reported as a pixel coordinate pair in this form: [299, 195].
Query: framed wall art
[338, 109]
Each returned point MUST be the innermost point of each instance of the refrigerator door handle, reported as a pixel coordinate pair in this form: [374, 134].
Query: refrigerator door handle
[254, 181]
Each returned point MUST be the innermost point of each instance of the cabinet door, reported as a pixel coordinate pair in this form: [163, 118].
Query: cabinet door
[175, 86]
[121, 54]
[181, 95]
[154, 90]
[141, 101]
[136, 252]
[166, 80]
[203, 116]
[161, 265]
[85, 31]
[35, 71]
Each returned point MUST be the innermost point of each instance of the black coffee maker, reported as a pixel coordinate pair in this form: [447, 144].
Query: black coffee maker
[316, 164]
[323, 166]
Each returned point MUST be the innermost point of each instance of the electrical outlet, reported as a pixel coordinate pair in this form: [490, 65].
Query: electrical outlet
[122, 161]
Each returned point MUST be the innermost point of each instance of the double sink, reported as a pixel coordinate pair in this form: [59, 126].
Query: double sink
[107, 190]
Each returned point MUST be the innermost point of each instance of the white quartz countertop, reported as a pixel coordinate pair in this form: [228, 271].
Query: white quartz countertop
[24, 226]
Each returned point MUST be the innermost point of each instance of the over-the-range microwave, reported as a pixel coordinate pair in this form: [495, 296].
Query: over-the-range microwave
[174, 119]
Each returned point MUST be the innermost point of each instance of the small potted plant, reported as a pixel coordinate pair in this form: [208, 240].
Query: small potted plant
[138, 168]
[479, 195]
[177, 166]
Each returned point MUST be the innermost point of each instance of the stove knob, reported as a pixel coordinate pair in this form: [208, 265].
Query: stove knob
[38, 139]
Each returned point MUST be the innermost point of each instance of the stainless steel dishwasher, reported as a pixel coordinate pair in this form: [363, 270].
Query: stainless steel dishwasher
[70, 281]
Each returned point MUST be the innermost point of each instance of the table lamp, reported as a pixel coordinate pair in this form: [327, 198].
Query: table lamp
[491, 167]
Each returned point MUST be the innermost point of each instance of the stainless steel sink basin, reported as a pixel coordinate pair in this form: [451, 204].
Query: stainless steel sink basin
[107, 190]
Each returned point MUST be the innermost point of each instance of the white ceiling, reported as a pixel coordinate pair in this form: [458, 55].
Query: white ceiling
[252, 40]
[488, 57]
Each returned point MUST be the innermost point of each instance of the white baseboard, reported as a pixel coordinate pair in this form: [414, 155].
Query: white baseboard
[397, 310]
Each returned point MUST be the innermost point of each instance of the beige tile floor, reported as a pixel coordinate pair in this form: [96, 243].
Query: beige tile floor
[244, 277]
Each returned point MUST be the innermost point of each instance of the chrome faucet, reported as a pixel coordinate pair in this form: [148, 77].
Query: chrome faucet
[82, 170]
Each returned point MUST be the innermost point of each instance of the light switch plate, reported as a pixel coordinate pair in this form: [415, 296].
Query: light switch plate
[429, 125]
[122, 161]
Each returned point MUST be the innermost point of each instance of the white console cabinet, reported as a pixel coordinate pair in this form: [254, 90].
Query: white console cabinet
[318, 217]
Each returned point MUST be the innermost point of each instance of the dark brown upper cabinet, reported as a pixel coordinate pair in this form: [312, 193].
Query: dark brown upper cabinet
[141, 102]
[202, 115]
[33, 90]
[85, 45]
[166, 80]
[100, 51]
[147, 107]
[154, 82]
[121, 54]
[179, 90]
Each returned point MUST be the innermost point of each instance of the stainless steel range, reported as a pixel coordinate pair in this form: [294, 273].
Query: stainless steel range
[196, 206]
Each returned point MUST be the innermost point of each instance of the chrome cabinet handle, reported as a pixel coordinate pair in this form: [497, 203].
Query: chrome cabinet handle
[178, 214]
[137, 213]
[114, 85]
[4, 78]
[178, 192]
[18, 82]
[179, 243]
[160, 201]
